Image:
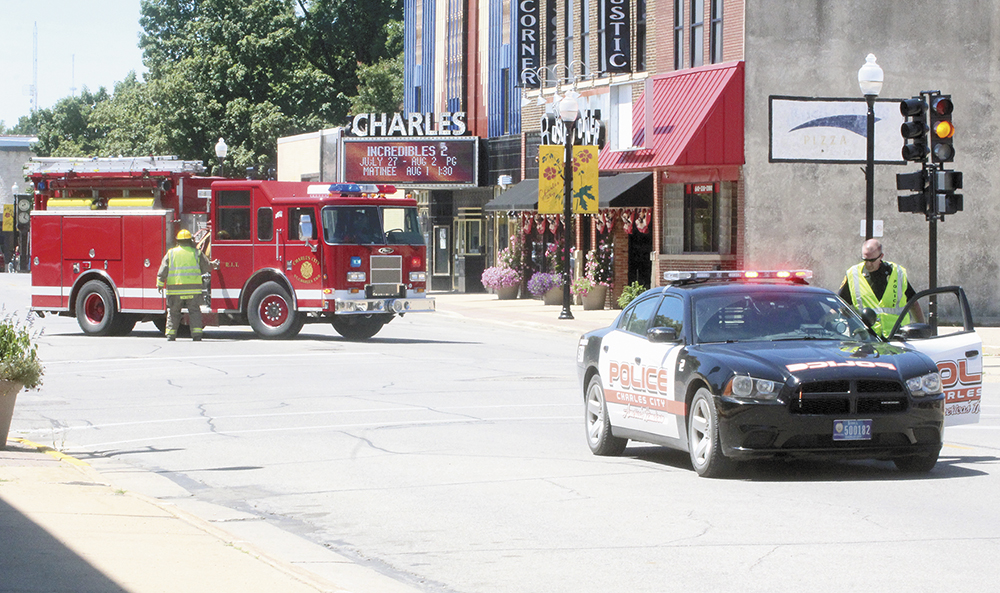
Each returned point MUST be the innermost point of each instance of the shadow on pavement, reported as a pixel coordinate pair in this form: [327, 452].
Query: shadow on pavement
[33, 560]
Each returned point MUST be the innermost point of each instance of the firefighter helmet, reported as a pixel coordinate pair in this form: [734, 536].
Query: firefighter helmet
[183, 235]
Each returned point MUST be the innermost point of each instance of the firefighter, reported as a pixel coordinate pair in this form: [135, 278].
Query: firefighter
[180, 273]
[879, 285]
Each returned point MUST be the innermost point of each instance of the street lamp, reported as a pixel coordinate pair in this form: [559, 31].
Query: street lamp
[221, 150]
[568, 111]
[870, 81]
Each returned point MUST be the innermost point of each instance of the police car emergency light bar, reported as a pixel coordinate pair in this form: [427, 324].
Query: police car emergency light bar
[682, 276]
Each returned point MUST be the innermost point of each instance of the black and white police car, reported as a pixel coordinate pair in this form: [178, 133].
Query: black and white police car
[737, 365]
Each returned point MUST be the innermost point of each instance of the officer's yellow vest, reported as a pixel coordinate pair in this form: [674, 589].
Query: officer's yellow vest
[184, 276]
[893, 298]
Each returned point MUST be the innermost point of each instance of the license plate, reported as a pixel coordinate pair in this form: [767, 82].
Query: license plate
[852, 430]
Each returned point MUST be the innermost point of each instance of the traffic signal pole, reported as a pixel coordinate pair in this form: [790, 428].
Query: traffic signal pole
[935, 185]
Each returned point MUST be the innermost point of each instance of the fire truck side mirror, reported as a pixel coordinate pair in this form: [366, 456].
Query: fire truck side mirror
[305, 227]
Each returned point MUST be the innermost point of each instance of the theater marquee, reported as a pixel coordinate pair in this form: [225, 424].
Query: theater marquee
[411, 162]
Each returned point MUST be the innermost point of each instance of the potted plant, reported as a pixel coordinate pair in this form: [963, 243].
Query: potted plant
[592, 287]
[505, 281]
[19, 366]
[504, 278]
[547, 286]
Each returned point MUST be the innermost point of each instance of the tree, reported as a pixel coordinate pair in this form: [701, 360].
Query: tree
[65, 129]
[249, 71]
[381, 86]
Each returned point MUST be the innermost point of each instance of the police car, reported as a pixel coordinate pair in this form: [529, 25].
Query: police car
[736, 365]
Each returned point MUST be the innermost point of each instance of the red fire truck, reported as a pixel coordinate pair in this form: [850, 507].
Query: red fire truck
[289, 253]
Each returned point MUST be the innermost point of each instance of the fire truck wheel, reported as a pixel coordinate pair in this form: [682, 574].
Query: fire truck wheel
[95, 309]
[358, 327]
[123, 325]
[270, 312]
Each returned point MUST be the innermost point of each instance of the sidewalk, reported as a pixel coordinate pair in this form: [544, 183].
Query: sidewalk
[68, 527]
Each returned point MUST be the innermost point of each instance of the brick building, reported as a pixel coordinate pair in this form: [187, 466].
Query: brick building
[690, 93]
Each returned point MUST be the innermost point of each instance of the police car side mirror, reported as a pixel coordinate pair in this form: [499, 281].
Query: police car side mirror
[869, 316]
[915, 331]
[662, 335]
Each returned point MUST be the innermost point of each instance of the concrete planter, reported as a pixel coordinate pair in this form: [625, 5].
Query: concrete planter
[594, 300]
[506, 293]
[8, 395]
[553, 296]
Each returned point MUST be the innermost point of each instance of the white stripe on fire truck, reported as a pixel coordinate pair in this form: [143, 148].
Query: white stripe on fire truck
[226, 293]
[46, 291]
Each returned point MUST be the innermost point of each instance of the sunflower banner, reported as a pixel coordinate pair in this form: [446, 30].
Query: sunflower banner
[551, 186]
[584, 180]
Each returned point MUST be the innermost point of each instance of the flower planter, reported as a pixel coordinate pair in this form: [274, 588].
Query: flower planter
[8, 395]
[594, 300]
[553, 296]
[506, 293]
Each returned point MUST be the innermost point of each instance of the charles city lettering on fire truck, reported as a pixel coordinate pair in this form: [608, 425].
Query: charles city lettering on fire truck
[289, 253]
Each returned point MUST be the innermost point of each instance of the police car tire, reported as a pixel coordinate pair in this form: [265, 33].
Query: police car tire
[95, 309]
[290, 325]
[598, 424]
[920, 464]
[703, 437]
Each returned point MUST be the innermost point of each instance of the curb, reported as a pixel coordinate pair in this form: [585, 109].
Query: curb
[299, 574]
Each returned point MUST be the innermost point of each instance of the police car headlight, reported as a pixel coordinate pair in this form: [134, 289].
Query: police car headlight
[929, 384]
[355, 276]
[749, 387]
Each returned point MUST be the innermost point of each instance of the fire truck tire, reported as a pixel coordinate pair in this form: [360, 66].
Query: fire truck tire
[271, 314]
[123, 325]
[358, 327]
[95, 309]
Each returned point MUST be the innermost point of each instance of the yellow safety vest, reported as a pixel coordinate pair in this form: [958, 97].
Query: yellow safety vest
[184, 275]
[893, 299]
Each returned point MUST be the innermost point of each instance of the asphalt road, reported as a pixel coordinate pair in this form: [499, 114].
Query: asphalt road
[450, 455]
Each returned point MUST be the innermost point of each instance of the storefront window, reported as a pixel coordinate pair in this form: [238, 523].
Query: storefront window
[701, 218]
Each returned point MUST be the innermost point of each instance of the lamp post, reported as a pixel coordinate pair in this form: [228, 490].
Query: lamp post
[568, 111]
[870, 81]
[221, 150]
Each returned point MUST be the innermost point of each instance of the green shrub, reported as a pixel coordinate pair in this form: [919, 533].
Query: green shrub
[629, 293]
[18, 352]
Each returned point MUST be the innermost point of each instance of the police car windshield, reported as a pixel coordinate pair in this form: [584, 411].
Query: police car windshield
[765, 316]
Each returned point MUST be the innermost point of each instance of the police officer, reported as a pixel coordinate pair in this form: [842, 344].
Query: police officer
[879, 285]
[180, 273]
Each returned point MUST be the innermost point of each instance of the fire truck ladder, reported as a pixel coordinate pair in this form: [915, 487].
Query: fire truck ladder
[166, 164]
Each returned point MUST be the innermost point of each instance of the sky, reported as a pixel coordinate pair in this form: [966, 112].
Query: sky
[81, 43]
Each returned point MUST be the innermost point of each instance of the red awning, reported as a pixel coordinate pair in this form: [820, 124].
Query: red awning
[697, 121]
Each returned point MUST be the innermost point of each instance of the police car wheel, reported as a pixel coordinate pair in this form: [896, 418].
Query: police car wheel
[703, 437]
[95, 309]
[598, 425]
[271, 314]
[919, 464]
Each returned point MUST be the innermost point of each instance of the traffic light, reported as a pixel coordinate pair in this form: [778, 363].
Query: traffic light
[941, 128]
[914, 129]
[946, 201]
[918, 182]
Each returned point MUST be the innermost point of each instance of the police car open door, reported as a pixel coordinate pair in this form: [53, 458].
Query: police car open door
[947, 335]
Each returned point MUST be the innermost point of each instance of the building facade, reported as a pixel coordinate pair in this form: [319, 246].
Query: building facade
[687, 92]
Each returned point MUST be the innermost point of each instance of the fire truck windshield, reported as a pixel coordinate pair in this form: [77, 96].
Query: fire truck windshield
[371, 225]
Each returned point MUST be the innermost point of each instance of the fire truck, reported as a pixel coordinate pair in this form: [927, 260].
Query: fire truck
[287, 253]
